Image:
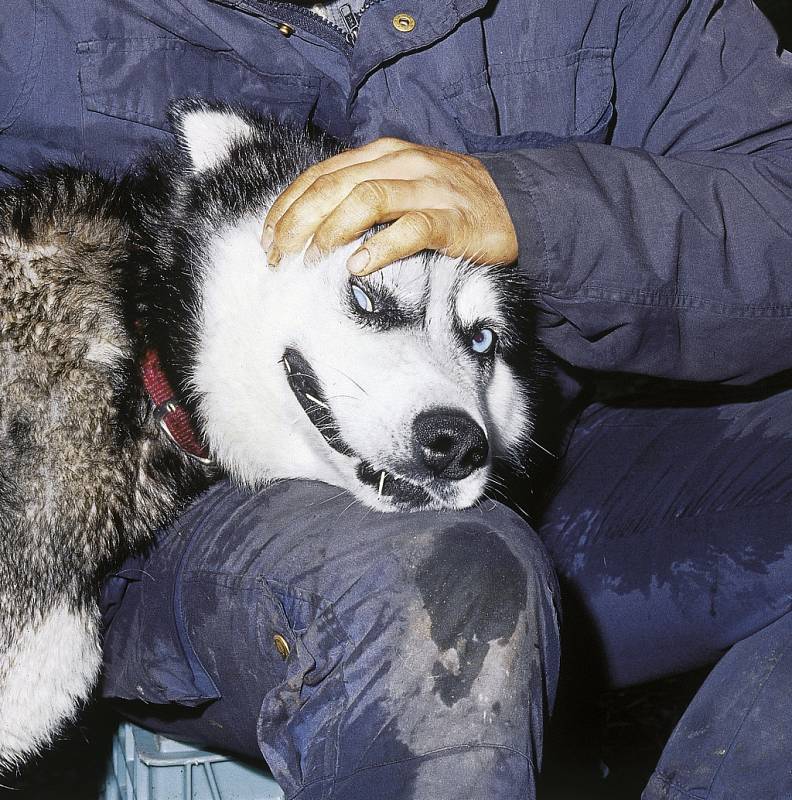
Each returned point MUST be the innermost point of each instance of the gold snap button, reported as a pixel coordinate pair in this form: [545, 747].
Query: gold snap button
[404, 22]
[282, 646]
[285, 29]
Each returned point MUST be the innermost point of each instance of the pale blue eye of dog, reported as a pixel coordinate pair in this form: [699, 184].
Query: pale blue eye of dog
[362, 299]
[483, 340]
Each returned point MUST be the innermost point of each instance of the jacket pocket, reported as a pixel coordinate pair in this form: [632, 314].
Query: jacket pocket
[543, 100]
[135, 79]
[22, 43]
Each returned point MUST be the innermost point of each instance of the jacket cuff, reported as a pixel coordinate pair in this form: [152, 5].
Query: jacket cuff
[519, 192]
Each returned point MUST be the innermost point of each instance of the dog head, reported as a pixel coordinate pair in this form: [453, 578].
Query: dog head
[402, 387]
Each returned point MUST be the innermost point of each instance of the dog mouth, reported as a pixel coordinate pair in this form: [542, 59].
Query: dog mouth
[307, 388]
[389, 485]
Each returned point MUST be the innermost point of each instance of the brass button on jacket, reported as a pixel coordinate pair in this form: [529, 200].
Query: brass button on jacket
[281, 645]
[285, 29]
[404, 22]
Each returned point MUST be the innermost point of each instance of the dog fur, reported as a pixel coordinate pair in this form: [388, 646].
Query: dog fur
[299, 372]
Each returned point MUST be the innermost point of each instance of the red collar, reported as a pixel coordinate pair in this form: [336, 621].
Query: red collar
[169, 413]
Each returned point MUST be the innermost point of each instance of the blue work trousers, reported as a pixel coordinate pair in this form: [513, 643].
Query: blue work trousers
[416, 656]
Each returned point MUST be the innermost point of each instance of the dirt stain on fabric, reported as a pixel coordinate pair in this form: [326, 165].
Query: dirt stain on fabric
[473, 588]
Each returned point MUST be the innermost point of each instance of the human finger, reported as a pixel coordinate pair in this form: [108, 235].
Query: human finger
[368, 204]
[428, 229]
[296, 188]
[301, 220]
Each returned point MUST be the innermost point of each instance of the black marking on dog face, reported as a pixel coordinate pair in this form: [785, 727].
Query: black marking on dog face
[465, 331]
[306, 387]
[473, 588]
[385, 311]
[516, 312]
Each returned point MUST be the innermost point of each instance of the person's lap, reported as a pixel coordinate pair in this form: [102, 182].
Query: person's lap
[668, 529]
[422, 646]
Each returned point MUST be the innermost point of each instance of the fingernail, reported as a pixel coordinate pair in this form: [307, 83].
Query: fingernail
[312, 255]
[267, 235]
[358, 262]
[273, 256]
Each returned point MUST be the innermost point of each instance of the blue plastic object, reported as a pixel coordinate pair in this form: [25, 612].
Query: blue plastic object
[147, 766]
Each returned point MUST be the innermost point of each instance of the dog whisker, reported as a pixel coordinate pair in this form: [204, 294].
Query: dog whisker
[542, 448]
[297, 374]
[343, 397]
[499, 489]
[350, 379]
[328, 499]
[346, 508]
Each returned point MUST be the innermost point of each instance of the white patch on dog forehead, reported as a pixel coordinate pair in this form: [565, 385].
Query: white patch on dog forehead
[209, 135]
[442, 278]
[477, 296]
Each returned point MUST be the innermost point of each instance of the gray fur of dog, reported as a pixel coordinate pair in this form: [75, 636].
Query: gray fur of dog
[85, 475]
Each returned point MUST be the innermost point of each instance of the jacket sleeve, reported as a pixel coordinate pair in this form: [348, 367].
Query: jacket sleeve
[668, 251]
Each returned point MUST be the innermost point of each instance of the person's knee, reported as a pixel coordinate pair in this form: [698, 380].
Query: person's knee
[468, 601]
[458, 603]
[487, 596]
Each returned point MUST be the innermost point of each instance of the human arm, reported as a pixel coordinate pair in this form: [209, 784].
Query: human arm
[669, 252]
[666, 251]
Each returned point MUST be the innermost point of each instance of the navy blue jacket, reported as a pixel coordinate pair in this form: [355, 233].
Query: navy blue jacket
[644, 149]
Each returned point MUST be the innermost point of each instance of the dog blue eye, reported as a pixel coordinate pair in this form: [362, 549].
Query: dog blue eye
[362, 299]
[483, 340]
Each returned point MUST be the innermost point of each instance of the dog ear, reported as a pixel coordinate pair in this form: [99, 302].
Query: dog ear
[207, 131]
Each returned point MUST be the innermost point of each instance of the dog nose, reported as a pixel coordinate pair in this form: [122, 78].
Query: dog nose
[449, 443]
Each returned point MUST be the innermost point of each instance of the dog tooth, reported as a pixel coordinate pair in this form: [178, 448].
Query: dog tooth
[287, 365]
[381, 483]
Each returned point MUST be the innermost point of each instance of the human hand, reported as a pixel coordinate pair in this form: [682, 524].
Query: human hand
[436, 199]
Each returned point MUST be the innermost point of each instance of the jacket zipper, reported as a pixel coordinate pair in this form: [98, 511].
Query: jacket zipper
[314, 22]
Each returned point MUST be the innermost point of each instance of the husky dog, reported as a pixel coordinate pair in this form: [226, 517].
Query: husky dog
[403, 388]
